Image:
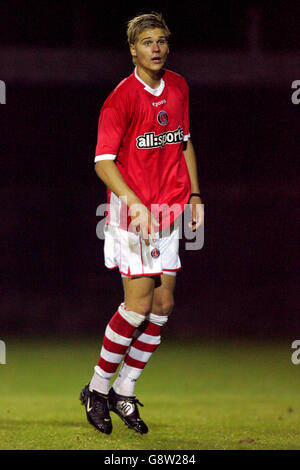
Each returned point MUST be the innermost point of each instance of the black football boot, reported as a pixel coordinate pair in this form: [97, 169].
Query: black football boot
[126, 408]
[96, 407]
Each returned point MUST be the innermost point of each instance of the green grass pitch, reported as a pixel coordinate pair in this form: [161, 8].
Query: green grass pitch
[221, 395]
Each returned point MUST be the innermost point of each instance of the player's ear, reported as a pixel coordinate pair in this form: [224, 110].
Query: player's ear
[132, 50]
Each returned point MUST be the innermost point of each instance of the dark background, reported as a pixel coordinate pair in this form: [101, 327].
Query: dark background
[243, 283]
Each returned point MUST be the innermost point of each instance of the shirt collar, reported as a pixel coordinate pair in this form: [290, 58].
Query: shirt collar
[154, 91]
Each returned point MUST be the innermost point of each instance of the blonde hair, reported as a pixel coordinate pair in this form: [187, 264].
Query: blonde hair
[145, 21]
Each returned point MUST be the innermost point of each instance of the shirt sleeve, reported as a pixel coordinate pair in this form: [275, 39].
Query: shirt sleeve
[186, 113]
[111, 129]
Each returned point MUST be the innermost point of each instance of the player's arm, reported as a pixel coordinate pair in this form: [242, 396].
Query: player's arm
[195, 201]
[142, 219]
[109, 173]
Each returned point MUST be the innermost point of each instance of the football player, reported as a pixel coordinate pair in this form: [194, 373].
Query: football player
[146, 159]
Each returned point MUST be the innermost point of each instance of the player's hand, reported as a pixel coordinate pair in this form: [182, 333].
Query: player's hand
[143, 222]
[197, 210]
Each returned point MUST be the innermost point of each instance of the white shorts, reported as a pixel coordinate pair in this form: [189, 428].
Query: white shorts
[128, 252]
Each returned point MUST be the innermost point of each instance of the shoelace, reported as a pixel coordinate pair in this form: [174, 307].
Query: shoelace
[98, 406]
[135, 400]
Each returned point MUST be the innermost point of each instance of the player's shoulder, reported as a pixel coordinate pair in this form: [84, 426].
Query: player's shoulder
[175, 79]
[121, 92]
[126, 85]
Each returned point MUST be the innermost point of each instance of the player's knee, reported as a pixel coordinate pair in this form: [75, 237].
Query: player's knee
[143, 307]
[167, 306]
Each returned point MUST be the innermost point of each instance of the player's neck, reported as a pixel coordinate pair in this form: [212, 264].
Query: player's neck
[150, 77]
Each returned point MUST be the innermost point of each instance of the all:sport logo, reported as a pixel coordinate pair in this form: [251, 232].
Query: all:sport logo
[151, 140]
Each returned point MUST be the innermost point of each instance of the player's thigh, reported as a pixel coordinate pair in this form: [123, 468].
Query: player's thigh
[163, 297]
[138, 293]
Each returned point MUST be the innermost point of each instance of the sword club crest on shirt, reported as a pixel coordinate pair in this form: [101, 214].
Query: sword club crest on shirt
[162, 118]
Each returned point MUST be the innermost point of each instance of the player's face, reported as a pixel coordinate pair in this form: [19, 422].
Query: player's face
[151, 49]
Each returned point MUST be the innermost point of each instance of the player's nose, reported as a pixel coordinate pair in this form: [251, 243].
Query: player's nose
[155, 47]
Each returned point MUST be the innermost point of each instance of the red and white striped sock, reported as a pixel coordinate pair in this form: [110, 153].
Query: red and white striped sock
[117, 338]
[145, 342]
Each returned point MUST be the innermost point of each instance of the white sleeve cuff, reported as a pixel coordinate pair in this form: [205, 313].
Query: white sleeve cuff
[186, 137]
[106, 156]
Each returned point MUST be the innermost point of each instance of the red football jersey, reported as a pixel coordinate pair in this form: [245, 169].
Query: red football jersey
[143, 130]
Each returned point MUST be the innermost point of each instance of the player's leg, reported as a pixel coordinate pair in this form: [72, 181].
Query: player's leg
[138, 295]
[163, 298]
[147, 337]
[117, 338]
[138, 292]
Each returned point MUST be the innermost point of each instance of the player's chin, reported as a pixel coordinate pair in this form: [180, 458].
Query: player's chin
[157, 65]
